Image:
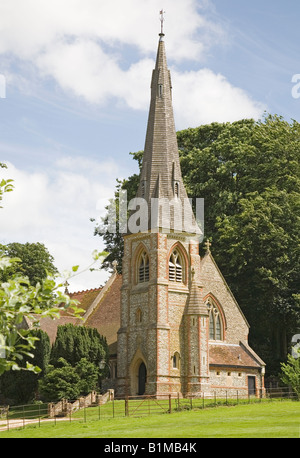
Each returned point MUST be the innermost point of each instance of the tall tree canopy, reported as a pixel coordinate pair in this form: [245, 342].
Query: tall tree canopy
[248, 172]
[76, 342]
[35, 261]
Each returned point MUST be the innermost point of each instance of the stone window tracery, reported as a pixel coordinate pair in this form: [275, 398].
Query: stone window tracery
[175, 267]
[143, 268]
[215, 321]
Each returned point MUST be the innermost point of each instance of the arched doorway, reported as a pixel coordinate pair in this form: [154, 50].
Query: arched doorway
[142, 376]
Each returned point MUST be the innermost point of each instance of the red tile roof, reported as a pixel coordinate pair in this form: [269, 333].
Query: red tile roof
[231, 355]
[106, 315]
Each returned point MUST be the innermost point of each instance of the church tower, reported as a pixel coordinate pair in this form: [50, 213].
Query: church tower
[163, 337]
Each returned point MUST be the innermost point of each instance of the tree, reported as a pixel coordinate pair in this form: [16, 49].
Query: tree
[291, 374]
[76, 342]
[262, 264]
[21, 386]
[60, 383]
[35, 261]
[88, 376]
[20, 301]
[69, 382]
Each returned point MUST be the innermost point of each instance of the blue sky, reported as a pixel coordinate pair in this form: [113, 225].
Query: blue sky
[77, 77]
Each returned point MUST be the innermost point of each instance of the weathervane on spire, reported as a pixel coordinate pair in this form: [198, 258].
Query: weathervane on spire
[162, 20]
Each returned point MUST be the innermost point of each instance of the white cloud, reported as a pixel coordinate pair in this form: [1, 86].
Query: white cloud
[202, 97]
[55, 208]
[29, 27]
[81, 44]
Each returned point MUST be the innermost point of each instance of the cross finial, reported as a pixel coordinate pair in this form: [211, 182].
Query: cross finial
[66, 284]
[162, 20]
[207, 245]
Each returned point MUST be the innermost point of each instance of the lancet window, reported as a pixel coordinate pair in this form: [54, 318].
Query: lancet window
[143, 269]
[175, 267]
[215, 321]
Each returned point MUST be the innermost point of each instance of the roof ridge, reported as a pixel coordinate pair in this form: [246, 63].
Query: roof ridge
[87, 290]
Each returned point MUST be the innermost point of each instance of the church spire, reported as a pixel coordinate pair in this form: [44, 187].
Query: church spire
[161, 174]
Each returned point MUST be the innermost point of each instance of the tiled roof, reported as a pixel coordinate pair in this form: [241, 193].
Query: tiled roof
[50, 326]
[106, 315]
[231, 355]
[85, 298]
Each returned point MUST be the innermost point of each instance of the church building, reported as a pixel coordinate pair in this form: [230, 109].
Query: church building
[181, 329]
[171, 322]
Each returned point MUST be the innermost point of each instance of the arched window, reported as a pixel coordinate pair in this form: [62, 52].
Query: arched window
[215, 321]
[143, 268]
[176, 189]
[139, 316]
[160, 90]
[175, 267]
[143, 188]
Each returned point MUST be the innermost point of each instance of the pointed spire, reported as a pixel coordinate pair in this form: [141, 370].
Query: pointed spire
[195, 304]
[161, 174]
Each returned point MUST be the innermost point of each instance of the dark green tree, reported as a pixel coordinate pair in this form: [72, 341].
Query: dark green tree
[35, 261]
[69, 382]
[76, 342]
[21, 386]
[248, 173]
[88, 376]
[60, 383]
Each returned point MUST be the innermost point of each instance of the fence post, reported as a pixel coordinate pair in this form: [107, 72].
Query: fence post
[178, 401]
[126, 407]
[170, 404]
[7, 418]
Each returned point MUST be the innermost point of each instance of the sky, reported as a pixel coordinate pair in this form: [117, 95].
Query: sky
[75, 92]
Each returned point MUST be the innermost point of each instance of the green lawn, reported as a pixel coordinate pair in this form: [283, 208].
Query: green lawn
[262, 420]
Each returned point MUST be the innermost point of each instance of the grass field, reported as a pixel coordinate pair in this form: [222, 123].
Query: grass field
[263, 420]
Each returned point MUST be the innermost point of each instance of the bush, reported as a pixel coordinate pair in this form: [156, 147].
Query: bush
[291, 374]
[67, 382]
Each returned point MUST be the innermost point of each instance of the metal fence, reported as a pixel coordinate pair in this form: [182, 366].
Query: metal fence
[139, 406]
